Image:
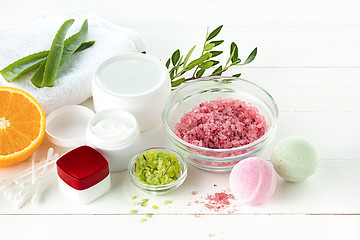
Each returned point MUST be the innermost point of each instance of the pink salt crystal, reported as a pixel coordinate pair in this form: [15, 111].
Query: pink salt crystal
[218, 201]
[221, 124]
[193, 192]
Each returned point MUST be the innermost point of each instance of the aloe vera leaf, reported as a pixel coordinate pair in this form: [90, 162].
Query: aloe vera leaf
[85, 45]
[55, 54]
[38, 76]
[25, 64]
[74, 42]
[71, 45]
[19, 67]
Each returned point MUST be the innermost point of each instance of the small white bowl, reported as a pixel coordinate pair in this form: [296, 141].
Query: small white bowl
[66, 126]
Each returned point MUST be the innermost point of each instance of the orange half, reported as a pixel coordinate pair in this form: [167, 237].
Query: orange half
[22, 126]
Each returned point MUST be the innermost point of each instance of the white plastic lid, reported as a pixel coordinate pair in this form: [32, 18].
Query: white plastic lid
[66, 126]
[112, 129]
[133, 75]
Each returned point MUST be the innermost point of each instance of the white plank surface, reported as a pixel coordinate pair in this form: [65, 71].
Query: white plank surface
[308, 59]
[205, 227]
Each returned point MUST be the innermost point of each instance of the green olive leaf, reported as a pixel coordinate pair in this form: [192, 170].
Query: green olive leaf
[175, 57]
[188, 55]
[216, 53]
[217, 43]
[167, 63]
[206, 65]
[251, 57]
[177, 82]
[214, 62]
[214, 33]
[234, 50]
[209, 46]
[200, 73]
[198, 61]
[218, 70]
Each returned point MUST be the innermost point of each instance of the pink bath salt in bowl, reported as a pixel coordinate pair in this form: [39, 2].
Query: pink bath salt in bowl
[252, 181]
[221, 124]
[216, 122]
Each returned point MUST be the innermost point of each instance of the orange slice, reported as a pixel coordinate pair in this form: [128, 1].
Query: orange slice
[22, 126]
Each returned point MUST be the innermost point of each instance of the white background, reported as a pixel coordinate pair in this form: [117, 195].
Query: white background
[308, 59]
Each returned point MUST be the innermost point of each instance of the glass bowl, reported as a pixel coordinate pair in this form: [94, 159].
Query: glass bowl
[157, 189]
[192, 93]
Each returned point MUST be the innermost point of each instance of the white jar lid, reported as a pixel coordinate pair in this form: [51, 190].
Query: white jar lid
[134, 82]
[133, 75]
[66, 126]
[112, 129]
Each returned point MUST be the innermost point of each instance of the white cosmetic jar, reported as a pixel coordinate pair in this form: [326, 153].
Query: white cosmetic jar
[116, 135]
[134, 82]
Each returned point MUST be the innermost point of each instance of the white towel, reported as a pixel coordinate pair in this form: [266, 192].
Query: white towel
[73, 82]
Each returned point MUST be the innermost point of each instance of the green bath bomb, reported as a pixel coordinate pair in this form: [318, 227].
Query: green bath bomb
[294, 158]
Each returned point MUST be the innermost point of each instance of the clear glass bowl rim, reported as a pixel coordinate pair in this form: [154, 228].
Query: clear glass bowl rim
[268, 133]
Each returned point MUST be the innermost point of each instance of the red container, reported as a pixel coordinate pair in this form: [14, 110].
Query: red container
[85, 171]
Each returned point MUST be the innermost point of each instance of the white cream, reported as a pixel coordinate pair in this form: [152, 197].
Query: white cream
[110, 128]
[115, 134]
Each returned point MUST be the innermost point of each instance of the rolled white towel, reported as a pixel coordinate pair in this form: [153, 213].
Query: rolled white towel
[73, 82]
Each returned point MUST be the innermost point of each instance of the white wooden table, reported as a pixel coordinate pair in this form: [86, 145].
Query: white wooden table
[308, 59]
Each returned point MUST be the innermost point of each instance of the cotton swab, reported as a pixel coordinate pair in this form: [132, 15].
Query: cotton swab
[28, 184]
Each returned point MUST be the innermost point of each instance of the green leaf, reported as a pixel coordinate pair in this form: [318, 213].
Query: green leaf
[84, 45]
[236, 75]
[19, 67]
[214, 33]
[198, 61]
[33, 61]
[143, 52]
[74, 42]
[188, 55]
[172, 73]
[206, 65]
[214, 62]
[209, 46]
[216, 53]
[234, 49]
[175, 57]
[200, 73]
[177, 82]
[71, 45]
[251, 57]
[53, 60]
[178, 64]
[167, 63]
[217, 43]
[217, 70]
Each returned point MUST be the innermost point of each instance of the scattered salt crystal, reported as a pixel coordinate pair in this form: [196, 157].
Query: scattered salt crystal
[218, 201]
[193, 192]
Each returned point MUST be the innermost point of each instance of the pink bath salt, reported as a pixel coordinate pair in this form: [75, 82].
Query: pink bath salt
[218, 201]
[221, 124]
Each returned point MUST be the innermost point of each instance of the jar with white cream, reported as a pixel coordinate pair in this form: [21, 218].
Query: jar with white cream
[116, 135]
[134, 82]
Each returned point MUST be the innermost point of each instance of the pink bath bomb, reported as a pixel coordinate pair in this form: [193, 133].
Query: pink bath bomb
[252, 181]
